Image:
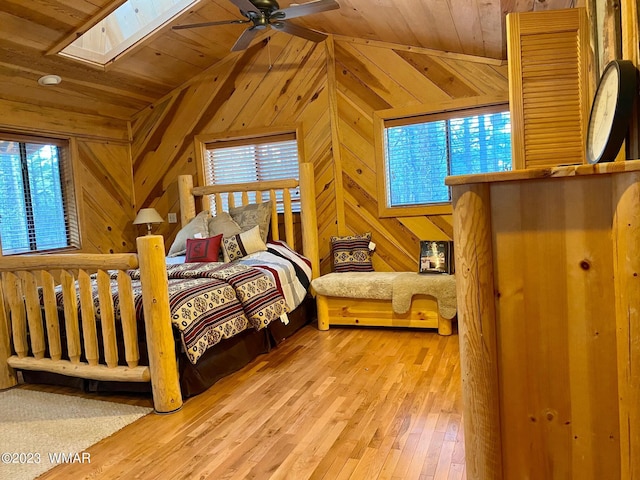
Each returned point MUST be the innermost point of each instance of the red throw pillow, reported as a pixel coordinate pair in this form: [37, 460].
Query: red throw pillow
[203, 249]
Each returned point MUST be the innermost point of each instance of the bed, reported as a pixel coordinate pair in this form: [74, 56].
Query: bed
[133, 331]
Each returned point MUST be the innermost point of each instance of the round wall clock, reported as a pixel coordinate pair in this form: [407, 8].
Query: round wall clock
[611, 111]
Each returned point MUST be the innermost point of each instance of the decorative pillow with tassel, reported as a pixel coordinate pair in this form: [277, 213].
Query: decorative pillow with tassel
[352, 253]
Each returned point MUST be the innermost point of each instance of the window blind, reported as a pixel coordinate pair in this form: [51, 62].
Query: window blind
[37, 203]
[253, 160]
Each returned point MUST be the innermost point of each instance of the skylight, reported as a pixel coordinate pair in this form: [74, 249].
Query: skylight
[128, 24]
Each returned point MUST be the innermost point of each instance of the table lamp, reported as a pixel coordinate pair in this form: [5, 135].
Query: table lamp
[148, 216]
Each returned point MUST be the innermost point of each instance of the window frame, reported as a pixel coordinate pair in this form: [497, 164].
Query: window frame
[420, 114]
[69, 180]
[104, 60]
[248, 137]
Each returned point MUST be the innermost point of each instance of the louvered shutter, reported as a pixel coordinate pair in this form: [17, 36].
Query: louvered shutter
[549, 100]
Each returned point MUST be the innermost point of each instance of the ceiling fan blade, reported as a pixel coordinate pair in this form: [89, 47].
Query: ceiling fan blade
[308, 8]
[208, 24]
[245, 39]
[298, 31]
[245, 6]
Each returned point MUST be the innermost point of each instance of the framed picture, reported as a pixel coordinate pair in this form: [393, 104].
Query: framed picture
[606, 32]
[436, 256]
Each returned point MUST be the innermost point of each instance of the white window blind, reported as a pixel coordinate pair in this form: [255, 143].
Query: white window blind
[253, 160]
[421, 151]
[37, 203]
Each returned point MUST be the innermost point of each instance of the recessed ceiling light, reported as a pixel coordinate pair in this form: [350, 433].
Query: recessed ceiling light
[49, 80]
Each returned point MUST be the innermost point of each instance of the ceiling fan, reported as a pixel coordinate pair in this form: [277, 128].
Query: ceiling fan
[264, 13]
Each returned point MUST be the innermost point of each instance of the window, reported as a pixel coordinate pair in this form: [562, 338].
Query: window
[272, 157]
[130, 22]
[420, 151]
[37, 204]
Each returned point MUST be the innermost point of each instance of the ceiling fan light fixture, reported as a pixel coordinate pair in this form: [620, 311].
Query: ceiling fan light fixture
[267, 13]
[266, 5]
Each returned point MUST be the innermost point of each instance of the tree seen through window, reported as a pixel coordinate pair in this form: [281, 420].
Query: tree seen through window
[32, 202]
[420, 155]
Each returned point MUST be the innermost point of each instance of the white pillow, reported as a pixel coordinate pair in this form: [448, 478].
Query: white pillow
[253, 214]
[196, 228]
[224, 224]
[243, 244]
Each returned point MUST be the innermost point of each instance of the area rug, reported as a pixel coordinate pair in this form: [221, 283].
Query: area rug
[37, 429]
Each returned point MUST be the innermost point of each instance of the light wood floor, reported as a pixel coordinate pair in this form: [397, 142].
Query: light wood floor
[343, 404]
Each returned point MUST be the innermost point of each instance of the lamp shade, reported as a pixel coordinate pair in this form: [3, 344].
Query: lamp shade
[148, 215]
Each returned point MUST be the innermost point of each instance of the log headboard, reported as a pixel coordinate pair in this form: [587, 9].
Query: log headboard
[268, 191]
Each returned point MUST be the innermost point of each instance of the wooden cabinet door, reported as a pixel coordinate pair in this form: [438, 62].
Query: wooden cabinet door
[549, 92]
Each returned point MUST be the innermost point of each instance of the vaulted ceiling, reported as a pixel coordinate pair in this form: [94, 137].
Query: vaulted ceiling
[32, 31]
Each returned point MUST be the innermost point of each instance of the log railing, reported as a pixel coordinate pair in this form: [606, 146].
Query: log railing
[28, 325]
[25, 331]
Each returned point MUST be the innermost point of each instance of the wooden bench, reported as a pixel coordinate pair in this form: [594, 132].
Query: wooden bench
[386, 299]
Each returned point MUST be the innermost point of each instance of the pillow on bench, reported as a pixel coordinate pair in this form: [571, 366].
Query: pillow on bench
[351, 253]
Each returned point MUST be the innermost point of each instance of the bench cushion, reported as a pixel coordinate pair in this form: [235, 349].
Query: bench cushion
[399, 287]
[376, 285]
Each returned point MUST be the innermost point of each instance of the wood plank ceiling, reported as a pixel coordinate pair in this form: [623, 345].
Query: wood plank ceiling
[29, 29]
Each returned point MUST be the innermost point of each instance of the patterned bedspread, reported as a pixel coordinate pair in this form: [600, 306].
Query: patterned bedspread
[210, 302]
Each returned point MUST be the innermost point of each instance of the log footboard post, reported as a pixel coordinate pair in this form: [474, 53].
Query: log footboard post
[165, 384]
[7, 374]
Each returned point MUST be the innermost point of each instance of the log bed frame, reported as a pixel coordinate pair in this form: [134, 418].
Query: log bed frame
[21, 320]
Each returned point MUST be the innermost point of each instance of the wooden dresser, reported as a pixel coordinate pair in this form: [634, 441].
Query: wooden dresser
[548, 287]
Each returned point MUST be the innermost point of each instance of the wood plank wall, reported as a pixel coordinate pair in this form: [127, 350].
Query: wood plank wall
[107, 198]
[330, 89]
[102, 170]
[372, 77]
[275, 84]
